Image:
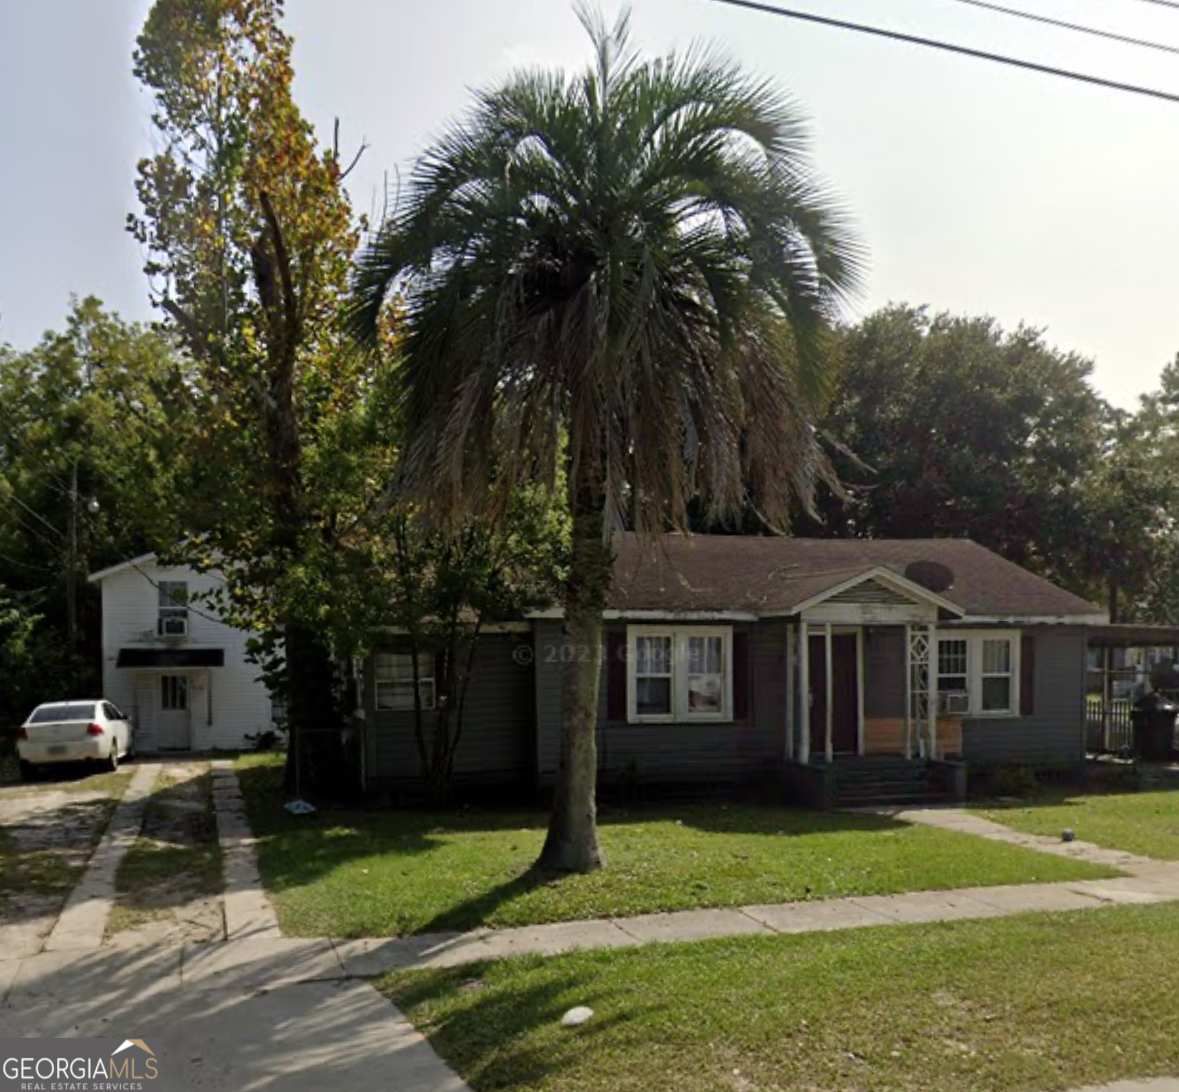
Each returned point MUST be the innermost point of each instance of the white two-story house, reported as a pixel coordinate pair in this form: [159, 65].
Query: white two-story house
[180, 673]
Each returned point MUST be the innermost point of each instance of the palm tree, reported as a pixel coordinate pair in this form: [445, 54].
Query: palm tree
[628, 277]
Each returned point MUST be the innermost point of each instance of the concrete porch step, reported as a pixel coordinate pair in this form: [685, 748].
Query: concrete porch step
[905, 799]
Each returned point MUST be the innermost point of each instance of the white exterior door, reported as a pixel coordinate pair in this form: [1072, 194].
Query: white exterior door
[165, 714]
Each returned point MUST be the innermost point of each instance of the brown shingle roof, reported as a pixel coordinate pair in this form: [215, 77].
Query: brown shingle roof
[771, 576]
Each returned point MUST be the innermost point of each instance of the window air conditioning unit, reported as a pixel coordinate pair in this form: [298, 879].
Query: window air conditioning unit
[173, 626]
[954, 703]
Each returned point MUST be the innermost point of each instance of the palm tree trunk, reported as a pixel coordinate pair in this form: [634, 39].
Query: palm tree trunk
[572, 842]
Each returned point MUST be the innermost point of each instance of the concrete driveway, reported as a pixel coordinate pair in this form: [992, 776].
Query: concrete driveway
[254, 1011]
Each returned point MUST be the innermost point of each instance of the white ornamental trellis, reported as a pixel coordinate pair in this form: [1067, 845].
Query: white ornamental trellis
[920, 643]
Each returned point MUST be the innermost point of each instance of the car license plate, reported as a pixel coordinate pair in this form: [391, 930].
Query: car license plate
[59, 749]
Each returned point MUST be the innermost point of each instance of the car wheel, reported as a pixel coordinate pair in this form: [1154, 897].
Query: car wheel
[112, 762]
[28, 772]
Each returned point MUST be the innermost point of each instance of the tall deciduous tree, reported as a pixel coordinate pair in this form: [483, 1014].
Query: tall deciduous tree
[249, 235]
[632, 272]
[92, 459]
[964, 429]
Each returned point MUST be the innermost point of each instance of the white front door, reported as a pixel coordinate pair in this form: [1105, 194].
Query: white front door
[165, 720]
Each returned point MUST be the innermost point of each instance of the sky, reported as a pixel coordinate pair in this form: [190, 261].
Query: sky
[976, 188]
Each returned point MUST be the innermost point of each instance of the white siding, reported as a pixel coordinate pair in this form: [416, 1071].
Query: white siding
[232, 703]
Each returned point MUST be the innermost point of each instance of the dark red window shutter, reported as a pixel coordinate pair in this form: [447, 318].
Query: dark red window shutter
[616, 676]
[1027, 675]
[740, 675]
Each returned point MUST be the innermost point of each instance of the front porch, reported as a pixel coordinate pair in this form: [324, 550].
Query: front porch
[863, 674]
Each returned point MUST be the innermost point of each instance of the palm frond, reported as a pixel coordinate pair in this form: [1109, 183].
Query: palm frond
[634, 269]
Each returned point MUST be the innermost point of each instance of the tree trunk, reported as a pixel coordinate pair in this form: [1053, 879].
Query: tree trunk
[572, 842]
[313, 707]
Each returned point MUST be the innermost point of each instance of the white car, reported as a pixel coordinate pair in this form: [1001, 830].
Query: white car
[74, 731]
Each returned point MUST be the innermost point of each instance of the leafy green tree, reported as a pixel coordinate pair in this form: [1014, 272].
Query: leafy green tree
[92, 461]
[1131, 531]
[447, 586]
[249, 235]
[951, 426]
[630, 275]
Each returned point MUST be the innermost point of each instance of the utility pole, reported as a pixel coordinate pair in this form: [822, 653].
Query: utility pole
[72, 560]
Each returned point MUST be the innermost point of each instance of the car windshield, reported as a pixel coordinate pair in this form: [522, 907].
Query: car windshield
[70, 710]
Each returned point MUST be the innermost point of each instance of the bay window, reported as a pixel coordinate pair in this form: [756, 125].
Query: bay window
[978, 674]
[679, 674]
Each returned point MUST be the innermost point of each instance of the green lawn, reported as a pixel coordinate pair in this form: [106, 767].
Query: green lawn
[70, 779]
[45, 854]
[384, 873]
[1036, 1003]
[1138, 822]
[176, 858]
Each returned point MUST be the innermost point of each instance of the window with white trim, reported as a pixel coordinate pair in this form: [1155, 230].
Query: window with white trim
[978, 674]
[653, 658]
[997, 676]
[394, 680]
[679, 674]
[953, 675]
[172, 620]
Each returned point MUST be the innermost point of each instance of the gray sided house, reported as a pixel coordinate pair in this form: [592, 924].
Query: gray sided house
[739, 659]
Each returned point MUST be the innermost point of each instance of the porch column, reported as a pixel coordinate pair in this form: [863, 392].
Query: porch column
[860, 723]
[789, 720]
[804, 694]
[827, 728]
[908, 690]
[931, 685]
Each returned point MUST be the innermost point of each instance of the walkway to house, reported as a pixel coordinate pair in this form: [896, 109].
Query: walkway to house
[963, 822]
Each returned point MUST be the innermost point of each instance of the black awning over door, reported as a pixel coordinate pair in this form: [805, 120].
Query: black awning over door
[170, 658]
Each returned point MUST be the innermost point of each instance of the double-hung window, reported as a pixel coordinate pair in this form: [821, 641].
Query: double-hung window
[997, 675]
[173, 608]
[953, 675]
[978, 674]
[394, 680]
[679, 674]
[654, 655]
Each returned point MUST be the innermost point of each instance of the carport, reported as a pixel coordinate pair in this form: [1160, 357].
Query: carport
[1121, 660]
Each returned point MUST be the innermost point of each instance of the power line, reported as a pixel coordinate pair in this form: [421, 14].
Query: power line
[1162, 3]
[187, 604]
[950, 47]
[1064, 25]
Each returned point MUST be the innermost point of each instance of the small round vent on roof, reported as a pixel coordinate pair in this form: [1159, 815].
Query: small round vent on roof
[931, 575]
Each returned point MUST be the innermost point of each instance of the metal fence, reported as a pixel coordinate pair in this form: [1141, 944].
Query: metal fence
[1108, 727]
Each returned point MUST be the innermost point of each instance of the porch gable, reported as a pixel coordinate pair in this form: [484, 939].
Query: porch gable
[876, 596]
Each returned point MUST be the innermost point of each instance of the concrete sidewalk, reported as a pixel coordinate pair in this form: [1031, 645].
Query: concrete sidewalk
[227, 1015]
[375, 956]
